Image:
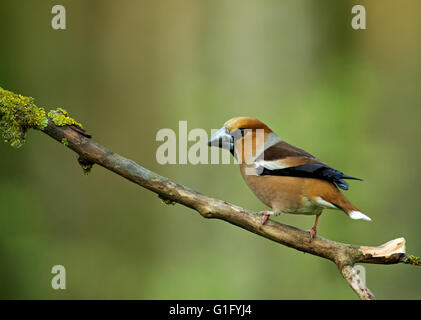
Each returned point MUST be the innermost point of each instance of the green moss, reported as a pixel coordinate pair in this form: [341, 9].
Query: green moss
[65, 142]
[414, 260]
[166, 200]
[86, 165]
[61, 118]
[17, 115]
[87, 168]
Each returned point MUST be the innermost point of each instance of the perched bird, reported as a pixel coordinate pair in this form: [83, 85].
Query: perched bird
[285, 178]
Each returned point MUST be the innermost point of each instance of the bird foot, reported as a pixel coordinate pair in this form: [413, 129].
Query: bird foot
[313, 233]
[313, 230]
[266, 215]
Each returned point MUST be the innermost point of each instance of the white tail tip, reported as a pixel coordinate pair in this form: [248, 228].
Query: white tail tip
[356, 215]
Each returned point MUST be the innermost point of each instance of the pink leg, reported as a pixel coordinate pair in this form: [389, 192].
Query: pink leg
[266, 215]
[313, 230]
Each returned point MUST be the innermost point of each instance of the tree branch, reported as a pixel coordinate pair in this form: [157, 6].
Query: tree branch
[343, 255]
[356, 283]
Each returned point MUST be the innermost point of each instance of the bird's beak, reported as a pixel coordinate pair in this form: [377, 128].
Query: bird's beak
[221, 139]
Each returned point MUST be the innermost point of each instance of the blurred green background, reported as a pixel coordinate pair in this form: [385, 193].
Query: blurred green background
[127, 68]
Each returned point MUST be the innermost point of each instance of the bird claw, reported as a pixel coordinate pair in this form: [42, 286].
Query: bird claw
[265, 217]
[313, 233]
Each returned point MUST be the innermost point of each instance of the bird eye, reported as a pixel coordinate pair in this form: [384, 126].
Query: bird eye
[239, 133]
[243, 131]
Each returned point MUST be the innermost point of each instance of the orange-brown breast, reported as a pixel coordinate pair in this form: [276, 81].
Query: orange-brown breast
[278, 193]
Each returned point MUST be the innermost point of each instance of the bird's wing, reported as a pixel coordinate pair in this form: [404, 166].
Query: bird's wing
[284, 159]
[282, 150]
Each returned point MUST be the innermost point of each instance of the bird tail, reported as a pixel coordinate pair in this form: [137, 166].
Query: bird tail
[345, 205]
[356, 215]
[345, 176]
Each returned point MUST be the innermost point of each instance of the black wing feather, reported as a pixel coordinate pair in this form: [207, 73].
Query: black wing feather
[312, 170]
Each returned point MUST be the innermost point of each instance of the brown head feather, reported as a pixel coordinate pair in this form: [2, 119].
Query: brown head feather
[246, 123]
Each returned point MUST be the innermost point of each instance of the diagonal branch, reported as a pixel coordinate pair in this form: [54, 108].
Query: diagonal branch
[343, 255]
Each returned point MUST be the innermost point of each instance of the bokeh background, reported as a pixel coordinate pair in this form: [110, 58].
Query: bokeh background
[126, 69]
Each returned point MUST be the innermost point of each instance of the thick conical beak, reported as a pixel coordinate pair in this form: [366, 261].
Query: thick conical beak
[221, 139]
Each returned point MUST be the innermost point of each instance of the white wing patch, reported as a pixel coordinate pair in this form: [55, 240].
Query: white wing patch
[325, 203]
[271, 165]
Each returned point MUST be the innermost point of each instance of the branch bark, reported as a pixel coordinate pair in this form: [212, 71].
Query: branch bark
[356, 283]
[343, 255]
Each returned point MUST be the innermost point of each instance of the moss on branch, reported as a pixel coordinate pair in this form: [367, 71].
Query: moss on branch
[61, 118]
[19, 113]
[414, 260]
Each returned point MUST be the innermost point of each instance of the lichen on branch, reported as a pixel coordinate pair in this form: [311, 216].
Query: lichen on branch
[19, 113]
[414, 260]
[61, 118]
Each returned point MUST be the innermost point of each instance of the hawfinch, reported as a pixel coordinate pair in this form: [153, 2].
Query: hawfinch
[284, 177]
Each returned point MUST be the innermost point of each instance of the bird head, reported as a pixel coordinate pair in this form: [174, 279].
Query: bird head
[241, 136]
